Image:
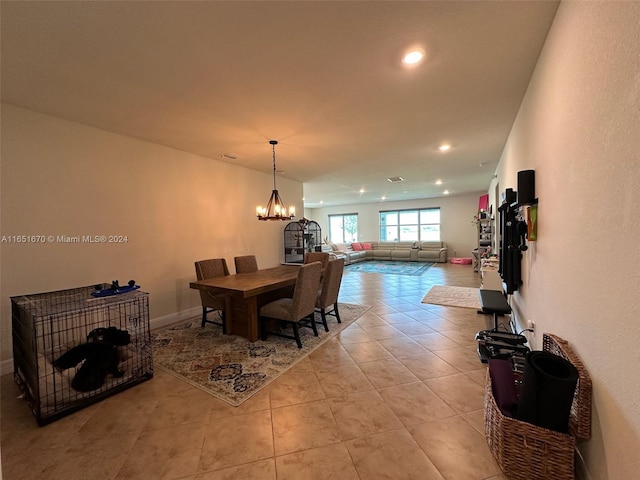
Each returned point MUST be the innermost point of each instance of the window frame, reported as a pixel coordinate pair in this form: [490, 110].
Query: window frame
[344, 232]
[400, 227]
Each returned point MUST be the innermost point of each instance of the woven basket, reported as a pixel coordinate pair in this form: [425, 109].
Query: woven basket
[528, 452]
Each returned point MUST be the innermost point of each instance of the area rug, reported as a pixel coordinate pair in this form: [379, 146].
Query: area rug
[390, 268]
[231, 367]
[453, 296]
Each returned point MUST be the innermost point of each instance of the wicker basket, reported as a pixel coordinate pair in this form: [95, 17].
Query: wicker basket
[527, 452]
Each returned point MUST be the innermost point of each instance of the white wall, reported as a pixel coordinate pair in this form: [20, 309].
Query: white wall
[63, 178]
[579, 129]
[456, 214]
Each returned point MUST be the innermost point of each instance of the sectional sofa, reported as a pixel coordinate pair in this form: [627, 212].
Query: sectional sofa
[396, 251]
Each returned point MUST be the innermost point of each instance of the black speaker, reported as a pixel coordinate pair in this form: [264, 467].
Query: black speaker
[526, 187]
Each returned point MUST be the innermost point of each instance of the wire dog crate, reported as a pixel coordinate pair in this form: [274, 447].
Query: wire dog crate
[71, 349]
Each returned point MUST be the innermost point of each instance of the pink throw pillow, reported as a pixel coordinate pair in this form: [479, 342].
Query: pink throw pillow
[356, 246]
[367, 246]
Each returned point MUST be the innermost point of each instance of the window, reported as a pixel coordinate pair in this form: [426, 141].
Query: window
[343, 228]
[410, 225]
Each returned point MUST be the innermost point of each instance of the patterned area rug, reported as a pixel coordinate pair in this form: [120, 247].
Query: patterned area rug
[453, 296]
[231, 367]
[390, 268]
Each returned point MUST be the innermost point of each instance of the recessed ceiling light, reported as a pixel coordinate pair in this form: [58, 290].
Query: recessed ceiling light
[444, 148]
[413, 57]
[395, 179]
[383, 198]
[446, 192]
[362, 190]
[438, 182]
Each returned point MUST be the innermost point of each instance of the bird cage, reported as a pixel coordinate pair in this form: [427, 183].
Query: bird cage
[299, 238]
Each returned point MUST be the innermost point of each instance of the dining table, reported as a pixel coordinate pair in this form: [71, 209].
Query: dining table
[247, 292]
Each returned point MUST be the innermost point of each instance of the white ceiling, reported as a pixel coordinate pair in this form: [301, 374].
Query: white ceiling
[323, 78]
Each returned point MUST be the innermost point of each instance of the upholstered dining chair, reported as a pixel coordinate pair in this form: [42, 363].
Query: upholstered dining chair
[329, 290]
[298, 310]
[322, 257]
[212, 268]
[246, 264]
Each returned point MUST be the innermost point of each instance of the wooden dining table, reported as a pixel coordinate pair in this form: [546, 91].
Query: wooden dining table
[247, 292]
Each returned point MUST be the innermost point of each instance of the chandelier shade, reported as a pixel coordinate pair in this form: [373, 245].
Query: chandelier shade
[275, 209]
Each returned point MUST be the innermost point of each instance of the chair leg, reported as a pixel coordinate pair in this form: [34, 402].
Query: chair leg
[335, 309]
[263, 329]
[312, 320]
[323, 314]
[296, 333]
[204, 316]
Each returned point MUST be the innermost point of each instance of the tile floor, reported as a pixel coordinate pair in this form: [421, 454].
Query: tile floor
[398, 395]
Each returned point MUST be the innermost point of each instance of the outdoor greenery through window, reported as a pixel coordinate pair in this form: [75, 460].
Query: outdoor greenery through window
[410, 225]
[343, 228]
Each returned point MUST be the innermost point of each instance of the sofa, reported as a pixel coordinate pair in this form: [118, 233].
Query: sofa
[395, 251]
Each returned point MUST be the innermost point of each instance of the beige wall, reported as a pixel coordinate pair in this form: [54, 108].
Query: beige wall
[62, 178]
[456, 214]
[579, 129]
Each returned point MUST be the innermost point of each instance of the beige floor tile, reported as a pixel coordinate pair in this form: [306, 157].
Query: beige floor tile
[476, 420]
[292, 388]
[478, 376]
[387, 372]
[413, 327]
[464, 456]
[330, 356]
[391, 455]
[328, 462]
[402, 347]
[428, 365]
[152, 449]
[343, 381]
[177, 408]
[259, 402]
[303, 426]
[383, 332]
[459, 391]
[262, 470]
[367, 352]
[226, 441]
[422, 315]
[361, 414]
[464, 359]
[415, 403]
[465, 336]
[370, 320]
[354, 334]
[397, 317]
[435, 341]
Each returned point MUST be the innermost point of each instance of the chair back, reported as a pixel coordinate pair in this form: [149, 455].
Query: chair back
[331, 283]
[305, 292]
[246, 264]
[322, 257]
[212, 268]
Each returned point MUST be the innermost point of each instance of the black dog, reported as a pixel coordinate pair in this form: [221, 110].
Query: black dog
[100, 358]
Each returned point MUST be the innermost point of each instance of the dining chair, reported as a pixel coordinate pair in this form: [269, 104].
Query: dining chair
[322, 257]
[246, 264]
[299, 310]
[212, 268]
[329, 290]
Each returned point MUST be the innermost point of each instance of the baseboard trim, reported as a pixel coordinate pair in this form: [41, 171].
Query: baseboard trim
[6, 366]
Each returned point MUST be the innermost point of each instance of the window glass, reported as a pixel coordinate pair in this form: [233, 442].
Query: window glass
[410, 225]
[343, 228]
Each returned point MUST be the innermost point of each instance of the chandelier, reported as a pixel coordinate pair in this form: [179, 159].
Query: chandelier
[275, 209]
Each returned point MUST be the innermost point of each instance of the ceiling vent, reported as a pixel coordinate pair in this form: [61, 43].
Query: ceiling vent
[395, 179]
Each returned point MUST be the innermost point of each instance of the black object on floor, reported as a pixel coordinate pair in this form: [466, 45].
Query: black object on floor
[494, 302]
[546, 394]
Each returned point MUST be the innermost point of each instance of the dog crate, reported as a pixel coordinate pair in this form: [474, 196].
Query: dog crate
[71, 349]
